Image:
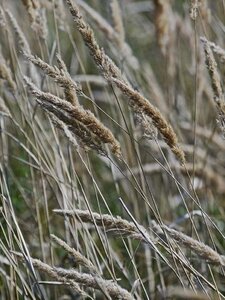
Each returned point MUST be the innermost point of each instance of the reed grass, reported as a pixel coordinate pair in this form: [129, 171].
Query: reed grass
[111, 157]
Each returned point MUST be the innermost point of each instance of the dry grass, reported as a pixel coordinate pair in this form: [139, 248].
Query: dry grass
[112, 163]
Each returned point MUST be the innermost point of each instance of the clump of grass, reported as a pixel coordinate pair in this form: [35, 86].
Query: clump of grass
[52, 273]
[73, 279]
[199, 248]
[125, 228]
[136, 218]
[60, 75]
[36, 16]
[141, 106]
[113, 224]
[78, 257]
[112, 73]
[73, 115]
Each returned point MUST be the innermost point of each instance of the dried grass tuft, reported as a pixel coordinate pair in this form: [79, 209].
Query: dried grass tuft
[22, 41]
[115, 225]
[81, 122]
[37, 17]
[112, 73]
[78, 257]
[73, 279]
[142, 106]
[60, 75]
[199, 248]
[121, 226]
[215, 81]
[110, 288]
[50, 271]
